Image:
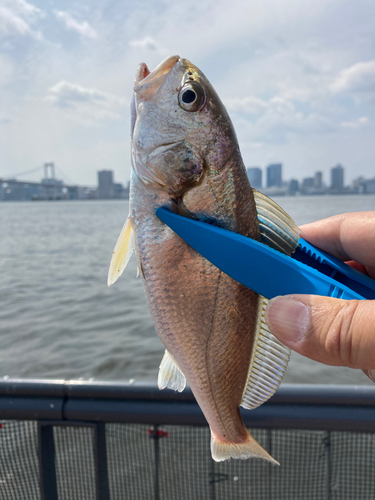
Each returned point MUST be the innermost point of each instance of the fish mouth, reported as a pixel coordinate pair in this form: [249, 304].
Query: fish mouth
[147, 83]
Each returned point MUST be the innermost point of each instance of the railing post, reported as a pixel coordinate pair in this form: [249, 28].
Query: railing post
[46, 455]
[327, 442]
[212, 480]
[270, 466]
[156, 434]
[216, 477]
[101, 467]
[157, 455]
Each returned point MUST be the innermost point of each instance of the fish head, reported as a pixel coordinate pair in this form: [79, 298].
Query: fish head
[180, 127]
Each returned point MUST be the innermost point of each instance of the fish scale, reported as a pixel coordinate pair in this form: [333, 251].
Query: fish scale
[185, 155]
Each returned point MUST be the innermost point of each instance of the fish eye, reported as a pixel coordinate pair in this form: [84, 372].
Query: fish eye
[188, 96]
[191, 97]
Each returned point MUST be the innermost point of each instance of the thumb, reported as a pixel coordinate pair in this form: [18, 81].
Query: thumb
[332, 331]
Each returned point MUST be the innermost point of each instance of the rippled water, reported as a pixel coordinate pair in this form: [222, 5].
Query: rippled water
[58, 318]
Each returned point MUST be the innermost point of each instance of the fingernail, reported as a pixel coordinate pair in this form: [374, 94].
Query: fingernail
[287, 318]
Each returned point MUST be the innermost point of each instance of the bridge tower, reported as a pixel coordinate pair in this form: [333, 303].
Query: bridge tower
[51, 168]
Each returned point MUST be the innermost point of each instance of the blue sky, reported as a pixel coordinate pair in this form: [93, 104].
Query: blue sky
[298, 79]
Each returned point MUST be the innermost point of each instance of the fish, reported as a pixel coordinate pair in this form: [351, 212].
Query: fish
[186, 156]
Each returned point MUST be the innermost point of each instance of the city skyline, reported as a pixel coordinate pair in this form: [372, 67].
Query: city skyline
[325, 173]
[52, 188]
[308, 185]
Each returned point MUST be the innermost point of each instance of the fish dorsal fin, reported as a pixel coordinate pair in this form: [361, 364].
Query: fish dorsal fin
[122, 252]
[170, 375]
[268, 363]
[277, 229]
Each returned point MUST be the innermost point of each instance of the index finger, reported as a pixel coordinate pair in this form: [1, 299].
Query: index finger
[348, 236]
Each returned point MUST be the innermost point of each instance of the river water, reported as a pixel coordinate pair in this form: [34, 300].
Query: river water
[58, 318]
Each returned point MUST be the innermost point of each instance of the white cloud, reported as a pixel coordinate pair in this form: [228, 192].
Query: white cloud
[82, 28]
[10, 21]
[24, 8]
[277, 120]
[250, 105]
[19, 16]
[147, 43]
[66, 95]
[86, 104]
[360, 122]
[357, 79]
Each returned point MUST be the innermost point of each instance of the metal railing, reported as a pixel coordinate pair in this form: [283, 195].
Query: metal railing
[94, 405]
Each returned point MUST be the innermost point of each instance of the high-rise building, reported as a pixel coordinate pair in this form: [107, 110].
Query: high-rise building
[105, 181]
[293, 186]
[308, 182]
[318, 180]
[337, 177]
[274, 175]
[255, 177]
[369, 185]
[118, 190]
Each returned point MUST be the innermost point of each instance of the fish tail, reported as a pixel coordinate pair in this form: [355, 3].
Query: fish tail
[249, 448]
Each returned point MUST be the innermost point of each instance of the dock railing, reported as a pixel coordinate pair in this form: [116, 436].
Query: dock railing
[99, 440]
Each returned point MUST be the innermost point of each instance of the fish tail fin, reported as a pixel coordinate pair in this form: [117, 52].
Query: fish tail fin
[249, 448]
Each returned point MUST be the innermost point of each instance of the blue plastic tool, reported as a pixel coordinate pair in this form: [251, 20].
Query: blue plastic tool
[267, 271]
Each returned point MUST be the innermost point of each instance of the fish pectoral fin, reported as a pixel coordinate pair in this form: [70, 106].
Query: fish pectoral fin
[250, 448]
[277, 229]
[268, 363]
[122, 252]
[170, 374]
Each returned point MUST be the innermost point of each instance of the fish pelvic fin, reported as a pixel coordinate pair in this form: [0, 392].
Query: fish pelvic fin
[277, 229]
[250, 448]
[268, 363]
[170, 374]
[122, 252]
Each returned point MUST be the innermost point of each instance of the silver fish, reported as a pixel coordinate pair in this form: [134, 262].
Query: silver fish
[185, 155]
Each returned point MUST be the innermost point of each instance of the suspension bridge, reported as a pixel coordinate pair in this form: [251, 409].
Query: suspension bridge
[49, 188]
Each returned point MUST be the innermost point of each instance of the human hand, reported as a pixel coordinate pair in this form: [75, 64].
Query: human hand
[333, 331]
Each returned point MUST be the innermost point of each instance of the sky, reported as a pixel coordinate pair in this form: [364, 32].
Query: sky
[297, 77]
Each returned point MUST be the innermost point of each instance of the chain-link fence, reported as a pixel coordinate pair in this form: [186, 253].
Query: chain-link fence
[84, 460]
[313, 464]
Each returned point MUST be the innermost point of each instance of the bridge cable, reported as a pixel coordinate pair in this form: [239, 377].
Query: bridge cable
[65, 175]
[24, 173]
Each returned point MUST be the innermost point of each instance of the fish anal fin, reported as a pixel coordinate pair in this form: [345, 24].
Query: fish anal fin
[170, 374]
[250, 448]
[122, 252]
[268, 363]
[277, 229]
[269, 358]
